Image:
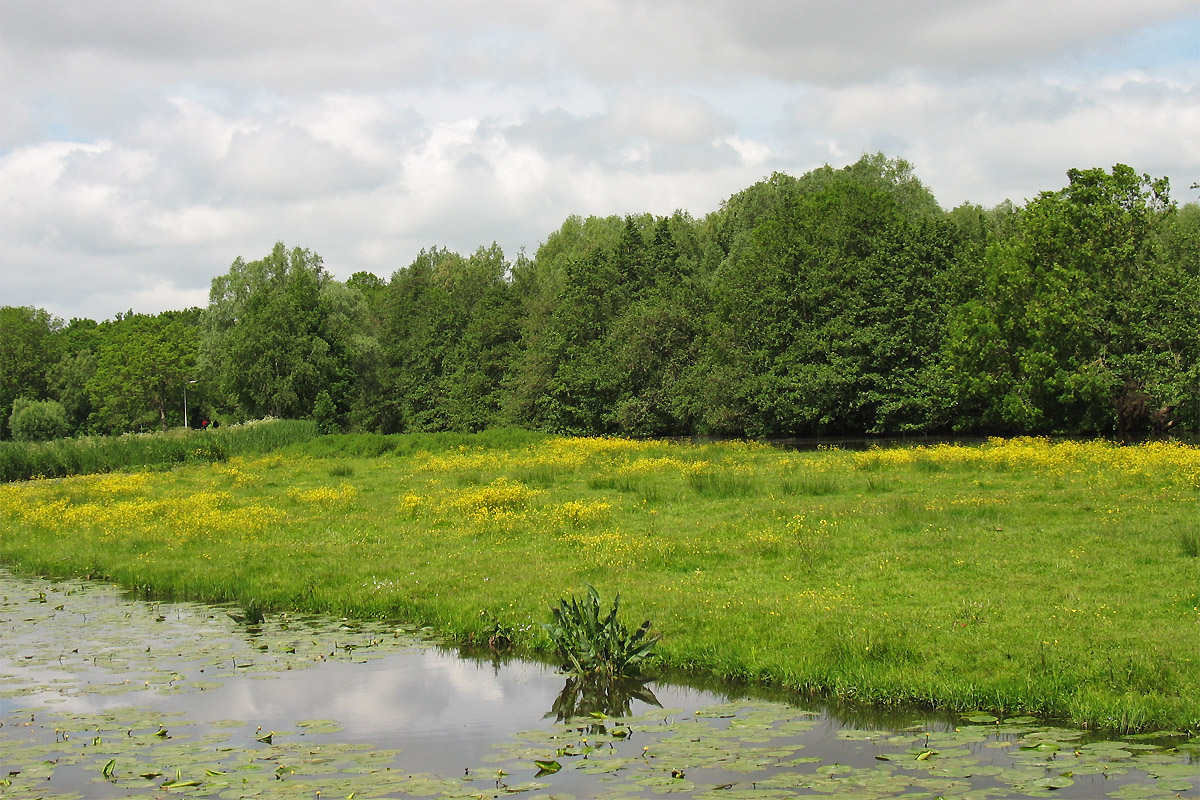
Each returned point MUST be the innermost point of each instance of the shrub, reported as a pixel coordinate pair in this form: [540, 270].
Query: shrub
[38, 420]
[325, 415]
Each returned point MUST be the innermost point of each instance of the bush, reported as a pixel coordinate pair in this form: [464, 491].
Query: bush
[325, 415]
[38, 420]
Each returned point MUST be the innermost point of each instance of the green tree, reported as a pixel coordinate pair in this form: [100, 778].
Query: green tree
[450, 327]
[268, 345]
[68, 384]
[325, 414]
[610, 315]
[481, 353]
[67, 380]
[141, 369]
[421, 324]
[28, 348]
[1166, 319]
[538, 393]
[829, 307]
[652, 341]
[1059, 324]
[352, 327]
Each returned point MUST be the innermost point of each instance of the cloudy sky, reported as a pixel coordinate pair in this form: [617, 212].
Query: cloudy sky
[145, 145]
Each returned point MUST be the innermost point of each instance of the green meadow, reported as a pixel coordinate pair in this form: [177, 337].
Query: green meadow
[1016, 576]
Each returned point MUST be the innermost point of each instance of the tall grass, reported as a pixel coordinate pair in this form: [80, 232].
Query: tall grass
[263, 436]
[95, 454]
[723, 483]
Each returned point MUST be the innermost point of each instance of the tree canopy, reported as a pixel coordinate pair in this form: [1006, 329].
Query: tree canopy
[844, 301]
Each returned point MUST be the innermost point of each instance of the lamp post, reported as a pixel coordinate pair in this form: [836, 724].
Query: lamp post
[185, 416]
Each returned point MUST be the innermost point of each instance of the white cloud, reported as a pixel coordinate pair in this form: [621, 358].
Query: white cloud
[146, 146]
[988, 140]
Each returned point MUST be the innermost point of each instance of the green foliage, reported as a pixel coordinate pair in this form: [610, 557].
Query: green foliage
[68, 383]
[829, 308]
[451, 324]
[325, 414]
[613, 316]
[38, 420]
[28, 348]
[141, 369]
[593, 643]
[1072, 306]
[840, 302]
[263, 436]
[278, 331]
[93, 454]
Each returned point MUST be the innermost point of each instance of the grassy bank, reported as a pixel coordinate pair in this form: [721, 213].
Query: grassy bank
[1019, 576]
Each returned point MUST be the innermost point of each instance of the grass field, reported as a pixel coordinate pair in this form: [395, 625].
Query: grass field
[1060, 579]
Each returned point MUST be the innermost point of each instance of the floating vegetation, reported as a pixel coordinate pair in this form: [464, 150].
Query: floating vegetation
[77, 638]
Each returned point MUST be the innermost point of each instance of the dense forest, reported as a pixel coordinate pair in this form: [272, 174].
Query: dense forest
[842, 302]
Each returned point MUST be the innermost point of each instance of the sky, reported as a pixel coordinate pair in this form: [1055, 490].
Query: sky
[146, 145]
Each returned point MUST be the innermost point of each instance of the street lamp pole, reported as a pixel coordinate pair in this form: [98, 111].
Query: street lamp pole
[185, 416]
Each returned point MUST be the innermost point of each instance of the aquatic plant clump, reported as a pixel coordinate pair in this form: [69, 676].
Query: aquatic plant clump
[592, 644]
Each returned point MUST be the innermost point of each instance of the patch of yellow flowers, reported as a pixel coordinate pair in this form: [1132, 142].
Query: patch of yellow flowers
[328, 497]
[614, 548]
[101, 505]
[565, 453]
[581, 513]
[503, 500]
[1052, 457]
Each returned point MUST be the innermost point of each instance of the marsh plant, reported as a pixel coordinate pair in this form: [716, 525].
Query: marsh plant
[1189, 542]
[593, 643]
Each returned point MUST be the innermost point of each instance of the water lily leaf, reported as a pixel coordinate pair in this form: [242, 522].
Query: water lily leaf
[1175, 785]
[1134, 791]
[547, 767]
[179, 784]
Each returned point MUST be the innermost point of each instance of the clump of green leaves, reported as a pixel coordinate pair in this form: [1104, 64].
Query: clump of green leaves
[38, 421]
[593, 643]
[498, 635]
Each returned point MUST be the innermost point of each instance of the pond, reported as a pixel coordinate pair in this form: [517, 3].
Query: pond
[106, 696]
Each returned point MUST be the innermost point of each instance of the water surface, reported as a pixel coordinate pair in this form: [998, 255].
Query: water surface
[102, 695]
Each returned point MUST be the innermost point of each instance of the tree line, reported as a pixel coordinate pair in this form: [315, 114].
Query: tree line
[842, 302]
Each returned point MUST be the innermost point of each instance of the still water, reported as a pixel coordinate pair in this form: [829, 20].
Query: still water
[103, 695]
